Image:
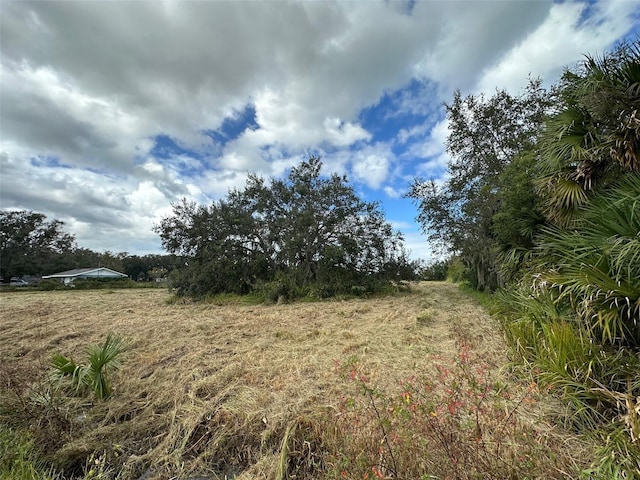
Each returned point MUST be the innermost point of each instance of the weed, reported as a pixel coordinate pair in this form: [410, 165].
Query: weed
[459, 424]
[425, 318]
[18, 460]
[101, 360]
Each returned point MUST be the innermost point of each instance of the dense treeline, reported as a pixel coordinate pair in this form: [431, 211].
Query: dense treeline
[543, 199]
[31, 245]
[303, 235]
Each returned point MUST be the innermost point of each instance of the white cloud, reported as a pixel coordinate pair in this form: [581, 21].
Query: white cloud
[560, 41]
[391, 192]
[93, 83]
[472, 35]
[419, 247]
[371, 164]
[342, 134]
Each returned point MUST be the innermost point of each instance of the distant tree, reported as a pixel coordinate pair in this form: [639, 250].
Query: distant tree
[29, 243]
[140, 268]
[306, 230]
[436, 270]
[73, 258]
[113, 261]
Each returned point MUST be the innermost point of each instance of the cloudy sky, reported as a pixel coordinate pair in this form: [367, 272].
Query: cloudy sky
[110, 111]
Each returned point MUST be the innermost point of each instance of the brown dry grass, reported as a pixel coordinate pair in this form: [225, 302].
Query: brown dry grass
[225, 389]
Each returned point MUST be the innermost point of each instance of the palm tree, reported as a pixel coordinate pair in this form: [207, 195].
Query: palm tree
[595, 137]
[596, 267]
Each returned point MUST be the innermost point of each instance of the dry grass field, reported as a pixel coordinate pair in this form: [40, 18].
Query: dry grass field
[258, 391]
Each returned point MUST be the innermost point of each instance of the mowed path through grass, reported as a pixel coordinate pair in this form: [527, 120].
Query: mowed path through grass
[207, 387]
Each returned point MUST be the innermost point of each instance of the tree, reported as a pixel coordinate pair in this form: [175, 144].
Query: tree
[486, 135]
[28, 242]
[576, 308]
[595, 136]
[147, 267]
[303, 232]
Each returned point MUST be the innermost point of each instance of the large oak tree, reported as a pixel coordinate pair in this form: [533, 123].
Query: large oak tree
[309, 231]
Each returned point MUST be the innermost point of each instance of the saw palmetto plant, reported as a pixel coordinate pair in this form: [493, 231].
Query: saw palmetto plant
[94, 375]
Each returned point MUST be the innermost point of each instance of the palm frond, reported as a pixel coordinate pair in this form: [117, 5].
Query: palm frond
[596, 267]
[102, 359]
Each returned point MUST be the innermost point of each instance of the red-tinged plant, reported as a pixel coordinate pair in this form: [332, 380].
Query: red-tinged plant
[458, 424]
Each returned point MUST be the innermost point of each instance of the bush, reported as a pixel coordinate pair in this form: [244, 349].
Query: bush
[598, 383]
[98, 283]
[436, 271]
[48, 285]
[457, 271]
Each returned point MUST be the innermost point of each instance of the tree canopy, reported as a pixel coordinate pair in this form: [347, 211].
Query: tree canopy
[486, 136]
[543, 198]
[29, 243]
[305, 234]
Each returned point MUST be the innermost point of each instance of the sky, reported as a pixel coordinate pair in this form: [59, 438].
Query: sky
[112, 110]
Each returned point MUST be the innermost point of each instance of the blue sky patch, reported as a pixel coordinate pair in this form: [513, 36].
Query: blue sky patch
[48, 161]
[401, 109]
[234, 126]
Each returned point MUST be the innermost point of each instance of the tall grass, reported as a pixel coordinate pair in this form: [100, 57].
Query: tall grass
[599, 383]
[18, 459]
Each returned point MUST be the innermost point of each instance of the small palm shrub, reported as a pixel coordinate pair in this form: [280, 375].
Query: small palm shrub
[93, 375]
[575, 322]
[596, 267]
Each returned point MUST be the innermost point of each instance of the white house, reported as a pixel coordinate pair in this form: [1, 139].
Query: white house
[84, 273]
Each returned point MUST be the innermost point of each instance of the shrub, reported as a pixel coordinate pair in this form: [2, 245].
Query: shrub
[97, 283]
[598, 383]
[436, 271]
[457, 271]
[48, 285]
[93, 375]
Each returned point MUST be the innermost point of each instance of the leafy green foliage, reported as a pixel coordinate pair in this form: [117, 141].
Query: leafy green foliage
[435, 271]
[19, 460]
[94, 375]
[288, 238]
[595, 136]
[575, 322]
[596, 267]
[29, 243]
[599, 384]
[487, 134]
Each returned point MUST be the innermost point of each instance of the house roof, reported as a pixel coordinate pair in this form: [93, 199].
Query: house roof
[82, 271]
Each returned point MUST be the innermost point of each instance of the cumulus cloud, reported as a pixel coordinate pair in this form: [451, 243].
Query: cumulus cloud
[564, 37]
[88, 88]
[372, 165]
[391, 192]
